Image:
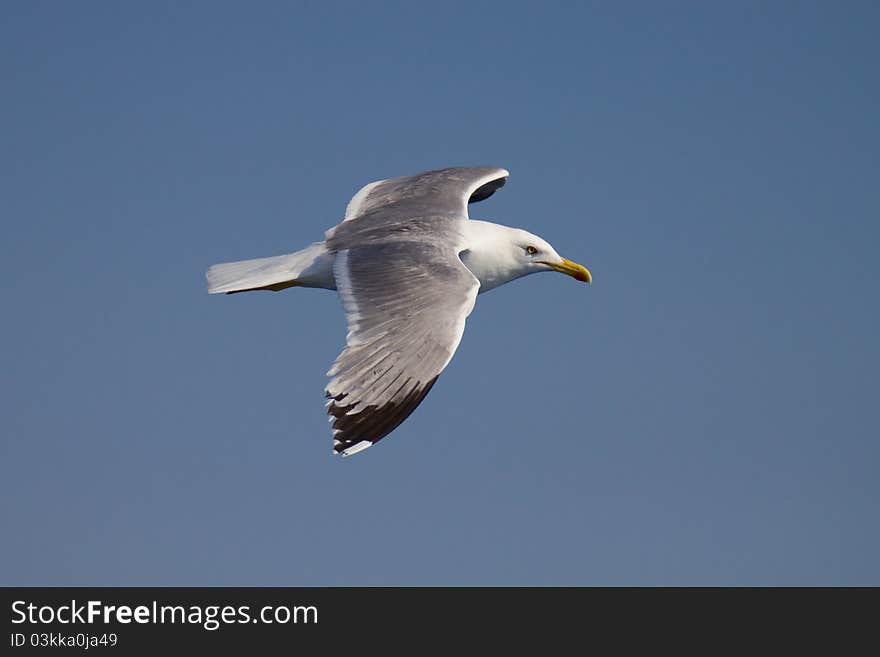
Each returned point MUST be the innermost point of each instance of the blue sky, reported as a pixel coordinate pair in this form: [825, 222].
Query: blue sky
[704, 413]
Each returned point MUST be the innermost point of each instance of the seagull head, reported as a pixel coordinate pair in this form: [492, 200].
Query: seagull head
[498, 254]
[535, 254]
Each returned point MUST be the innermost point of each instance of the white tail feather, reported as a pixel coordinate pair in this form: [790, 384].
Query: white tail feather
[306, 267]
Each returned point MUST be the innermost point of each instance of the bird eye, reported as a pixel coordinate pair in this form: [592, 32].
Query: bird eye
[531, 250]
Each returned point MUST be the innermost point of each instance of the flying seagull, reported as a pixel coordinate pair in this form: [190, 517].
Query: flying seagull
[408, 264]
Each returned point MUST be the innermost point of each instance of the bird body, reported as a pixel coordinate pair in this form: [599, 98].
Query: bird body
[313, 266]
[408, 264]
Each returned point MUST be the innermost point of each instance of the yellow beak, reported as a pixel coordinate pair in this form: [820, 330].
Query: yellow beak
[573, 269]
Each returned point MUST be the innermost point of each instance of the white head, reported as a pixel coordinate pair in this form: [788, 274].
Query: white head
[498, 254]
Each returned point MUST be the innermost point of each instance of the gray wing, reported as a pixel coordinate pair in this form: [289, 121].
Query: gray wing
[441, 192]
[406, 304]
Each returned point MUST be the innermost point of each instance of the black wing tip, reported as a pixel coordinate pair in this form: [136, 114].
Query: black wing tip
[372, 423]
[483, 192]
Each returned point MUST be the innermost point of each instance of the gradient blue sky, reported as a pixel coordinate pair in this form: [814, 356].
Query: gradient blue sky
[705, 413]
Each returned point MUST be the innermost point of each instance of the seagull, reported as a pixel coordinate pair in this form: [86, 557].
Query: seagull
[408, 264]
